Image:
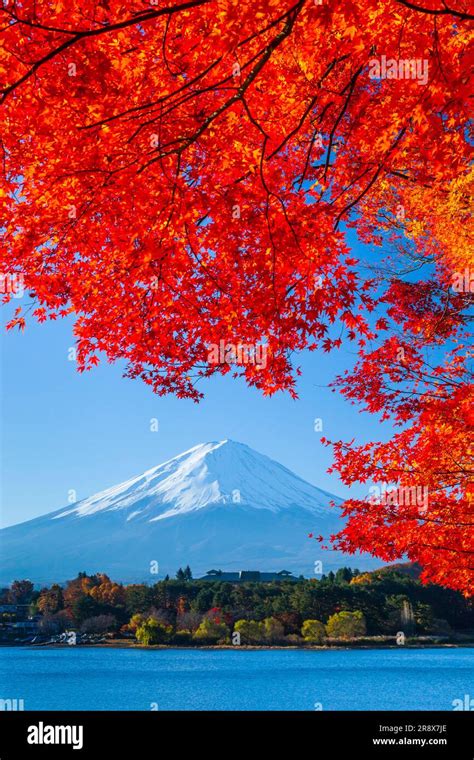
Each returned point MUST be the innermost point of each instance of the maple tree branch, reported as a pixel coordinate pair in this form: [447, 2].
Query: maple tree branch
[350, 87]
[457, 550]
[84, 34]
[205, 269]
[307, 110]
[169, 96]
[265, 56]
[436, 12]
[372, 181]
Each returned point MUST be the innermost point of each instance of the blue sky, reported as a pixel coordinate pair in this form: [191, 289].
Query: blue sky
[63, 431]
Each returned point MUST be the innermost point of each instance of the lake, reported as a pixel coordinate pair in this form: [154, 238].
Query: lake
[77, 678]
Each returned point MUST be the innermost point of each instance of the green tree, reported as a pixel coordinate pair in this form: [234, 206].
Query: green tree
[313, 631]
[153, 632]
[391, 614]
[344, 575]
[85, 607]
[203, 601]
[423, 617]
[281, 605]
[136, 621]
[211, 631]
[222, 596]
[137, 598]
[346, 625]
[273, 629]
[251, 631]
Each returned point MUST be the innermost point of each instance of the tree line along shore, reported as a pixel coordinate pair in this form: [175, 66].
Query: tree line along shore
[381, 608]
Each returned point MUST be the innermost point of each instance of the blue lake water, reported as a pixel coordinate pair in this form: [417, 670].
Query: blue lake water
[76, 678]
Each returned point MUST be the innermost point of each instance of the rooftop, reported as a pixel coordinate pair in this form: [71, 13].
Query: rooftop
[242, 576]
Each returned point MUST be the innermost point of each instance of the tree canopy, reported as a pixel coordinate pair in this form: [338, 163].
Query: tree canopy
[179, 176]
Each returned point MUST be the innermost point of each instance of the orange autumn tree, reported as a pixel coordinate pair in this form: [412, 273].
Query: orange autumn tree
[179, 176]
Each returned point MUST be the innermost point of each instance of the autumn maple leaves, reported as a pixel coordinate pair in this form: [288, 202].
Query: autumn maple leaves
[155, 123]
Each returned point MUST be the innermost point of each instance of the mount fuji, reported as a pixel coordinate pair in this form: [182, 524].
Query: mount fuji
[218, 505]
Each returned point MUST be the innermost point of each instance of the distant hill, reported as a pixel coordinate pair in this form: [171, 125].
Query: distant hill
[412, 569]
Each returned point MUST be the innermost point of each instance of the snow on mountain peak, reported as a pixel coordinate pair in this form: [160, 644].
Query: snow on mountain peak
[220, 473]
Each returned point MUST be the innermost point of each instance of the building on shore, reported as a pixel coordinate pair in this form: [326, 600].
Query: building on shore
[248, 576]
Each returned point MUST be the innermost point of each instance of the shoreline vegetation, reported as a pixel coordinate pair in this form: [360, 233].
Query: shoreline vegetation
[383, 609]
[342, 645]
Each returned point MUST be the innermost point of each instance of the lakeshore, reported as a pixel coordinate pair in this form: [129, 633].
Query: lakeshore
[383, 609]
[346, 646]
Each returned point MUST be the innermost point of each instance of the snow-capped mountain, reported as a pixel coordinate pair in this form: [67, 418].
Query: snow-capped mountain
[218, 505]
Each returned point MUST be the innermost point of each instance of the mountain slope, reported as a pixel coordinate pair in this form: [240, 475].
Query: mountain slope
[217, 505]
